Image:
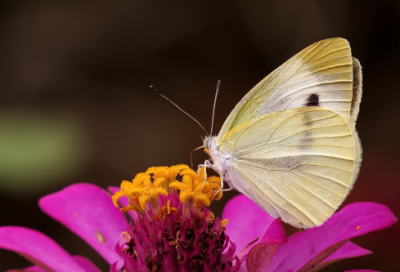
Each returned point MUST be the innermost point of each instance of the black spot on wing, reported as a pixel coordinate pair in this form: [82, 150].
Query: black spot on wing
[312, 100]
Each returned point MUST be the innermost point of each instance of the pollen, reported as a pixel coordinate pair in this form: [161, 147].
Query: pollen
[139, 192]
[145, 189]
[196, 189]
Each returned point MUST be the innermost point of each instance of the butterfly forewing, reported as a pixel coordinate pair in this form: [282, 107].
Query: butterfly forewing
[298, 164]
[320, 75]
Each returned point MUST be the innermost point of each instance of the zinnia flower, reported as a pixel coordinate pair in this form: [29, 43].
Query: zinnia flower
[168, 231]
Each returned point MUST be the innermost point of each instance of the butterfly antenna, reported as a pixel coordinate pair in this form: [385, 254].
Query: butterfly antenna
[214, 106]
[176, 106]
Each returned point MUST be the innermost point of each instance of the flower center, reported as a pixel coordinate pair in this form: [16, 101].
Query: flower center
[172, 229]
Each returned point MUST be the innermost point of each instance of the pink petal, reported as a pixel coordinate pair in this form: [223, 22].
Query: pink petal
[81, 261]
[275, 234]
[348, 250]
[86, 264]
[88, 211]
[362, 270]
[114, 268]
[37, 248]
[308, 248]
[247, 221]
[260, 255]
[33, 268]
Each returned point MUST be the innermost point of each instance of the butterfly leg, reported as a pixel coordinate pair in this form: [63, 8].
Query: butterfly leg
[207, 164]
[222, 186]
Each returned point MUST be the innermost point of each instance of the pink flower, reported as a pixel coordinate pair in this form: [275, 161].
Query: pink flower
[309, 250]
[86, 210]
[164, 224]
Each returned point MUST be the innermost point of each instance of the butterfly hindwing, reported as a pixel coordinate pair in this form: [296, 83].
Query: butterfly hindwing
[299, 164]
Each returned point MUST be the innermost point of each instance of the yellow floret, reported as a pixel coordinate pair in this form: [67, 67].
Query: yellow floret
[146, 187]
[196, 189]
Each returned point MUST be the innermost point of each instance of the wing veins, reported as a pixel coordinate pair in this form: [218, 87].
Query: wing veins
[260, 145]
[248, 163]
[311, 72]
[310, 129]
[238, 136]
[314, 85]
[282, 121]
[282, 182]
[257, 166]
[283, 198]
[317, 145]
[320, 101]
[271, 150]
[335, 181]
[280, 74]
[315, 194]
[330, 52]
[320, 49]
[305, 87]
[330, 67]
[298, 174]
[267, 140]
[328, 167]
[341, 57]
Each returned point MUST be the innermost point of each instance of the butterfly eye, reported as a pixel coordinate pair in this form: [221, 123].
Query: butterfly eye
[205, 143]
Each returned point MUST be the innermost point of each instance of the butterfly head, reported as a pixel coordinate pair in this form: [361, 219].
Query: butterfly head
[207, 143]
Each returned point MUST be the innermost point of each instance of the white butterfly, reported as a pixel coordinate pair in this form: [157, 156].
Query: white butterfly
[290, 144]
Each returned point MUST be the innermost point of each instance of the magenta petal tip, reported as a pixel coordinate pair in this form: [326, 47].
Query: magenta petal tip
[37, 248]
[88, 211]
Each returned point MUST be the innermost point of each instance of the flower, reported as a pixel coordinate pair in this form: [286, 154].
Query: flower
[177, 232]
[309, 250]
[171, 231]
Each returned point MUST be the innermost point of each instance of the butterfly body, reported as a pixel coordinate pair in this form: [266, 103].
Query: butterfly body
[290, 144]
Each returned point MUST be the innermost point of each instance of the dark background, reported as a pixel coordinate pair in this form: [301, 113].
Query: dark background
[75, 104]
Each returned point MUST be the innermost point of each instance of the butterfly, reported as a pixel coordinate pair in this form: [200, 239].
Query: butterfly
[290, 144]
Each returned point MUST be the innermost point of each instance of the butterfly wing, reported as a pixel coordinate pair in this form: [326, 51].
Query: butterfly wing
[298, 164]
[324, 74]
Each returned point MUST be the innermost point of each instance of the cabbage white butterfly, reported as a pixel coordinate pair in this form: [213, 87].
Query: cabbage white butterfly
[290, 144]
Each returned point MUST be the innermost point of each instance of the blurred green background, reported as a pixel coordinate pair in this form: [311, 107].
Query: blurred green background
[75, 104]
